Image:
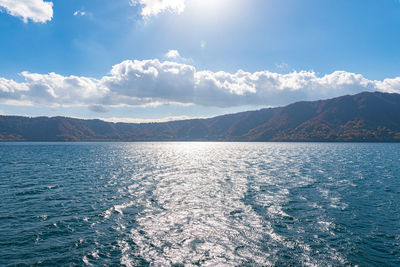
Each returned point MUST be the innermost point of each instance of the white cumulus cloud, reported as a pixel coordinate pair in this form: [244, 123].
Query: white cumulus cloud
[54, 89]
[152, 82]
[79, 13]
[172, 54]
[389, 85]
[154, 7]
[35, 10]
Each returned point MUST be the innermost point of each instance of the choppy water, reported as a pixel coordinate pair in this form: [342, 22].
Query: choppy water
[211, 204]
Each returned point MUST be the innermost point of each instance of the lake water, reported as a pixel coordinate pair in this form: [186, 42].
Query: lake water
[211, 204]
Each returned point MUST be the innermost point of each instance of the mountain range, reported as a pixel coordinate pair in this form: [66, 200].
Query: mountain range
[365, 117]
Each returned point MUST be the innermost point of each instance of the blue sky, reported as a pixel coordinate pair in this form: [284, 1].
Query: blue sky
[151, 60]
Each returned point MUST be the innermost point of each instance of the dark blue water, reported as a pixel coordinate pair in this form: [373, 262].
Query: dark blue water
[279, 204]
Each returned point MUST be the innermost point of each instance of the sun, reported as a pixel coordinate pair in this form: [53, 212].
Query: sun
[211, 4]
[212, 11]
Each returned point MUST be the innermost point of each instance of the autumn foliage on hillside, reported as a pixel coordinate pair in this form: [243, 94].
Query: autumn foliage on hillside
[371, 117]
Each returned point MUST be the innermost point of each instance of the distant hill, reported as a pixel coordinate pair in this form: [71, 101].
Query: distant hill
[373, 117]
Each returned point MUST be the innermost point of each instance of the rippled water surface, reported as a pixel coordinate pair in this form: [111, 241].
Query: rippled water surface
[211, 204]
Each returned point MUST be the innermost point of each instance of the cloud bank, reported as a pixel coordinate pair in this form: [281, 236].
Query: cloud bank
[154, 7]
[35, 10]
[135, 120]
[151, 82]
